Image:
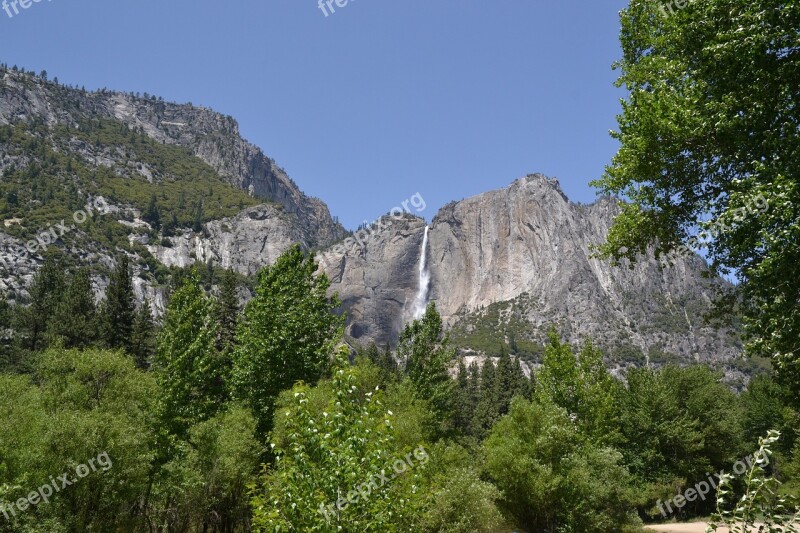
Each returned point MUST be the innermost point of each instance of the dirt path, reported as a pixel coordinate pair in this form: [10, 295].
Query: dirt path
[694, 527]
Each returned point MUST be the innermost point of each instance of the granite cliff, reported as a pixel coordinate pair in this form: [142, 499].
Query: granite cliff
[507, 265]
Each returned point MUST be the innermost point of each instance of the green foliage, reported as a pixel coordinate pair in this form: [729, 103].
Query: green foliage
[143, 335]
[151, 214]
[188, 366]
[760, 503]
[385, 361]
[205, 485]
[583, 387]
[426, 354]
[550, 479]
[117, 311]
[226, 311]
[487, 407]
[705, 150]
[74, 320]
[326, 458]
[457, 499]
[84, 404]
[285, 335]
[45, 293]
[766, 406]
[678, 424]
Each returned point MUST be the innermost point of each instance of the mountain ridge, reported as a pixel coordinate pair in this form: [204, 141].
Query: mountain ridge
[504, 265]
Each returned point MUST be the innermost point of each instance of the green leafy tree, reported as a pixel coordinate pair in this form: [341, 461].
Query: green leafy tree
[583, 386]
[385, 361]
[761, 507]
[286, 334]
[459, 500]
[321, 480]
[118, 309]
[709, 146]
[766, 406]
[678, 424]
[550, 481]
[205, 486]
[85, 406]
[426, 353]
[187, 364]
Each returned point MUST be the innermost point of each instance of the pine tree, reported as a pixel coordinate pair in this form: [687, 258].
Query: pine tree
[45, 292]
[118, 308]
[505, 383]
[463, 400]
[6, 333]
[385, 361]
[522, 385]
[227, 311]
[187, 364]
[75, 321]
[152, 214]
[486, 413]
[474, 385]
[143, 336]
[197, 220]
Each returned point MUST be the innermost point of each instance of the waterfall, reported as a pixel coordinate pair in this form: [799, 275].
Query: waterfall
[424, 279]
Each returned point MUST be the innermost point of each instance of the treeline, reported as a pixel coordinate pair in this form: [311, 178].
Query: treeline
[228, 419]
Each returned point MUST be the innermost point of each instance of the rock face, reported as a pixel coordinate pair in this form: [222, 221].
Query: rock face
[527, 246]
[252, 239]
[377, 280]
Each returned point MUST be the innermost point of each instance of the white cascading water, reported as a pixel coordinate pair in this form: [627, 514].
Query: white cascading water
[424, 279]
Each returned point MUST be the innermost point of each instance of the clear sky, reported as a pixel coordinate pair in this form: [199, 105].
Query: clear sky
[371, 104]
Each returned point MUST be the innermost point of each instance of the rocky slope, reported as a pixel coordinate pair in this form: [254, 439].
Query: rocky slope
[62, 148]
[210, 136]
[510, 263]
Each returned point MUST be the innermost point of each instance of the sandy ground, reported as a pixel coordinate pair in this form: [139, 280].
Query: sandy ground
[694, 527]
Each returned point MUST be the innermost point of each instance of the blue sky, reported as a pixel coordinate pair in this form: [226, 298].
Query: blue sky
[371, 104]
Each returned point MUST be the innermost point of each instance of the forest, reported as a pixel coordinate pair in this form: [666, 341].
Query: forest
[230, 418]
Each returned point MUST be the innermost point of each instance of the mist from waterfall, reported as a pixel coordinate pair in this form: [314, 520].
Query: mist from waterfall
[424, 279]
